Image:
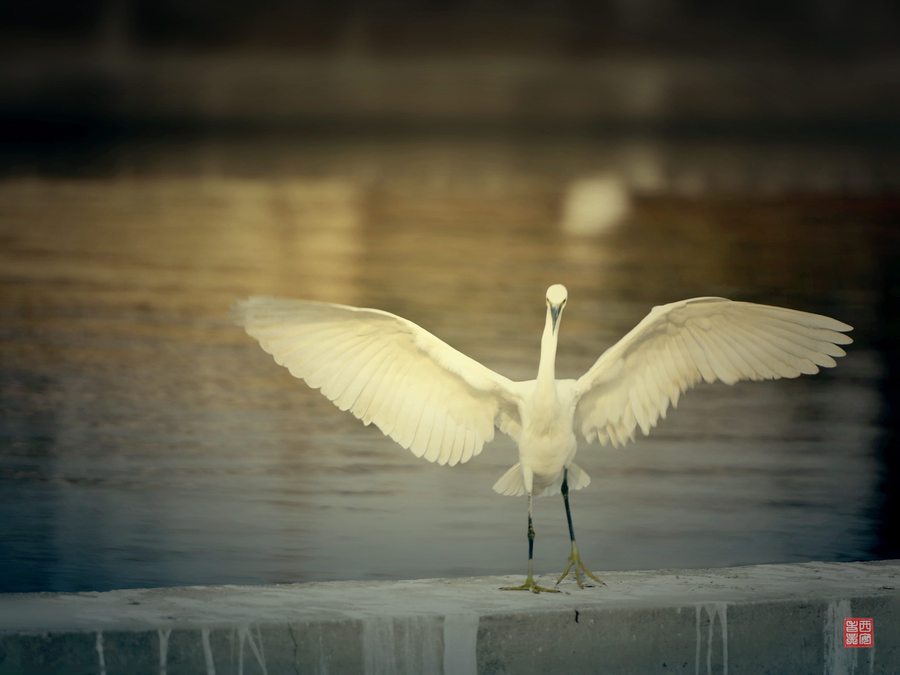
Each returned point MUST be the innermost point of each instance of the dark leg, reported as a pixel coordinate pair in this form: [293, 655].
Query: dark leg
[565, 494]
[529, 584]
[574, 556]
[530, 535]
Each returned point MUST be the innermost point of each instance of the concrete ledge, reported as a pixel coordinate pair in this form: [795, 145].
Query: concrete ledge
[764, 618]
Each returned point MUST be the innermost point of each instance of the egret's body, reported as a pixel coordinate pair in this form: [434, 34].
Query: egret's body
[444, 406]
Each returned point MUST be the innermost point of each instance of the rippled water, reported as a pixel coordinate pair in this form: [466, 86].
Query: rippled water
[146, 441]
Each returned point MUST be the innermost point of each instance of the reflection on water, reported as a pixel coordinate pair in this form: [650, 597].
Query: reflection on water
[147, 441]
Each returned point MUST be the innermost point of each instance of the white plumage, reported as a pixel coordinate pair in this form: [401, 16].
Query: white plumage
[444, 406]
[633, 383]
[387, 371]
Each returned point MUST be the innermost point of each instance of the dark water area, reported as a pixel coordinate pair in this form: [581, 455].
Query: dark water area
[146, 441]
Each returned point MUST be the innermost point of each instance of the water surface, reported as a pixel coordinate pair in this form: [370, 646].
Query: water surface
[146, 441]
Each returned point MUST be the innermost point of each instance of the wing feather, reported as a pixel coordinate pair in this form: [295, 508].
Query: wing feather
[373, 360]
[698, 355]
[676, 346]
[730, 351]
[722, 366]
[736, 342]
[409, 414]
[426, 424]
[437, 435]
[443, 451]
[370, 401]
[808, 342]
[390, 403]
[782, 361]
[385, 370]
[343, 377]
[455, 450]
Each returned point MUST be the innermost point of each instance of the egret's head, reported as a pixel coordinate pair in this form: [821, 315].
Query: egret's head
[556, 301]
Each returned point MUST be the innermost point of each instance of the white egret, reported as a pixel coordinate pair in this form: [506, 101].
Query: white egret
[443, 406]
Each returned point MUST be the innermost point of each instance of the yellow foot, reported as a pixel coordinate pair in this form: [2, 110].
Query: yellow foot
[577, 568]
[529, 585]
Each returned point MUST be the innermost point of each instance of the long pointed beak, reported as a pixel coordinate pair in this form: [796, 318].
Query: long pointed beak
[555, 311]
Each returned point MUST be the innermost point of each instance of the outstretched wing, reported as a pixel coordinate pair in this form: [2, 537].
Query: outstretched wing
[427, 396]
[675, 346]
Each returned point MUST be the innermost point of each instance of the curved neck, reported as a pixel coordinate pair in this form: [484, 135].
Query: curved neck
[547, 367]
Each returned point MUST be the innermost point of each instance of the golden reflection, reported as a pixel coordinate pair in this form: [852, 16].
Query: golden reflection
[595, 205]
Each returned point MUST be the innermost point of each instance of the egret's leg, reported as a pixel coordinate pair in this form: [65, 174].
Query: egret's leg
[575, 563]
[529, 584]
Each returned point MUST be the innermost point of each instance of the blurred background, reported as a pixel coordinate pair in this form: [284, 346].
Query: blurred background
[445, 161]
